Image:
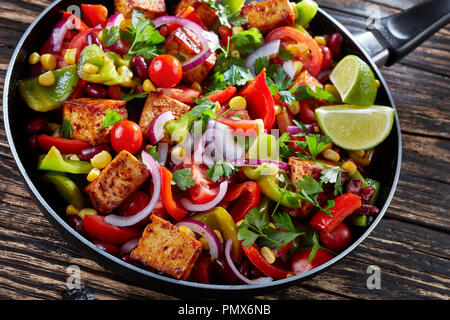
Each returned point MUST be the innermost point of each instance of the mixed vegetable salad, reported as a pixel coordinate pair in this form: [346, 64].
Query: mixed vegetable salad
[214, 142]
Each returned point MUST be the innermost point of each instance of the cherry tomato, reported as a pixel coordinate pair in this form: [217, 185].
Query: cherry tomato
[336, 240]
[134, 204]
[335, 44]
[307, 114]
[126, 135]
[299, 263]
[165, 71]
[98, 228]
[204, 190]
[224, 33]
[79, 41]
[327, 58]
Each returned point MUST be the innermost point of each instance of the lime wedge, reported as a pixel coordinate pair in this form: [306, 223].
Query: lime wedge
[354, 81]
[356, 128]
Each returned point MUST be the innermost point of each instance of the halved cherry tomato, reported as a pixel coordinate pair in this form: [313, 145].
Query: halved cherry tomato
[173, 208]
[79, 89]
[98, 228]
[222, 96]
[313, 63]
[327, 58]
[299, 263]
[245, 196]
[202, 271]
[186, 95]
[77, 22]
[65, 146]
[241, 127]
[307, 114]
[94, 14]
[165, 71]
[126, 135]
[338, 239]
[79, 41]
[204, 190]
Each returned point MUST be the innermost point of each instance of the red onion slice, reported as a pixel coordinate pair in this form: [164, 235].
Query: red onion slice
[163, 151]
[288, 67]
[295, 130]
[153, 168]
[115, 20]
[58, 34]
[190, 206]
[205, 231]
[236, 271]
[198, 30]
[156, 131]
[266, 50]
[128, 246]
[283, 166]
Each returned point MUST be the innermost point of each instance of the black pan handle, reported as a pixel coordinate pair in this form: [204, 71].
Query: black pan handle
[403, 32]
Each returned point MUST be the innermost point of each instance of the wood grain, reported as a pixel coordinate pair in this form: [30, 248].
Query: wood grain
[411, 245]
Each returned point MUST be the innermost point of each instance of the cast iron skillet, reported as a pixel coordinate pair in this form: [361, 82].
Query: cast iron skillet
[397, 36]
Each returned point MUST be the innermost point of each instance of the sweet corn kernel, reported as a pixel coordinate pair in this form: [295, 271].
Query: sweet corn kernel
[90, 68]
[71, 210]
[277, 109]
[377, 83]
[349, 166]
[219, 235]
[238, 103]
[239, 223]
[47, 79]
[93, 174]
[268, 255]
[187, 230]
[359, 153]
[328, 146]
[70, 56]
[331, 155]
[53, 126]
[101, 160]
[218, 106]
[321, 41]
[298, 49]
[177, 153]
[298, 65]
[237, 30]
[197, 86]
[148, 86]
[235, 53]
[205, 243]
[294, 107]
[48, 61]
[272, 225]
[260, 126]
[87, 211]
[74, 157]
[100, 36]
[125, 23]
[34, 58]
[125, 72]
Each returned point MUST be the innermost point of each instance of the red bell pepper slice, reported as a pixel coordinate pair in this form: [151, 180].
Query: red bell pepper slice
[98, 228]
[94, 14]
[65, 146]
[171, 206]
[260, 103]
[344, 205]
[222, 96]
[247, 196]
[77, 22]
[202, 271]
[78, 92]
[254, 255]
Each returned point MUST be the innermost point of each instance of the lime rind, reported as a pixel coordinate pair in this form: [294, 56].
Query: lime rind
[354, 127]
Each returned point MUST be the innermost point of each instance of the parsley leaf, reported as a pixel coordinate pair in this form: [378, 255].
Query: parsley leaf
[333, 175]
[305, 92]
[151, 150]
[224, 15]
[317, 143]
[110, 36]
[308, 186]
[285, 148]
[111, 118]
[133, 95]
[285, 54]
[183, 178]
[66, 129]
[260, 63]
[220, 169]
[217, 83]
[246, 41]
[237, 76]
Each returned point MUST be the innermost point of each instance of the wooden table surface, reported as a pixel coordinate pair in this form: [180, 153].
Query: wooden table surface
[411, 245]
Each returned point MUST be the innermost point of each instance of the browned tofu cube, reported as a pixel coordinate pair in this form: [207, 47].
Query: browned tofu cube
[165, 248]
[269, 14]
[121, 177]
[185, 43]
[300, 168]
[155, 104]
[86, 115]
[306, 79]
[207, 14]
[151, 8]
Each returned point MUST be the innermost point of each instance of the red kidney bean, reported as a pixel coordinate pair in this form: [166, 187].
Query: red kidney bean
[108, 247]
[96, 91]
[114, 92]
[141, 67]
[223, 272]
[36, 70]
[244, 268]
[77, 223]
[354, 186]
[38, 125]
[326, 37]
[139, 89]
[33, 142]
[335, 44]
[121, 47]
[367, 194]
[92, 38]
[87, 153]
[367, 210]
[255, 273]
[327, 58]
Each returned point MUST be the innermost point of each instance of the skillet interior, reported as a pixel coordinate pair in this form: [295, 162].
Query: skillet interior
[385, 168]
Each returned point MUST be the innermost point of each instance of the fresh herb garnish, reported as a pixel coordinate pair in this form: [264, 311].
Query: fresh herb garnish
[111, 118]
[220, 169]
[247, 41]
[237, 76]
[279, 82]
[333, 175]
[151, 150]
[183, 179]
[305, 92]
[285, 54]
[309, 191]
[260, 63]
[312, 239]
[66, 129]
[217, 83]
[110, 36]
[133, 95]
[224, 15]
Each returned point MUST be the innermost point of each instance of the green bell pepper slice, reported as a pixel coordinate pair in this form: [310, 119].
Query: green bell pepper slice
[264, 147]
[269, 187]
[67, 189]
[233, 5]
[263, 169]
[264, 205]
[54, 161]
[43, 99]
[376, 186]
[359, 221]
[305, 11]
[219, 219]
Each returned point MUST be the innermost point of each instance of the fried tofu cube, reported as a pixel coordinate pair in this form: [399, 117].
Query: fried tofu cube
[207, 14]
[304, 78]
[151, 8]
[121, 177]
[268, 15]
[165, 248]
[183, 42]
[86, 115]
[155, 104]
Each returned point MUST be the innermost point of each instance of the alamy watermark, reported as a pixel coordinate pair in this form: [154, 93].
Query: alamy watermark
[374, 280]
